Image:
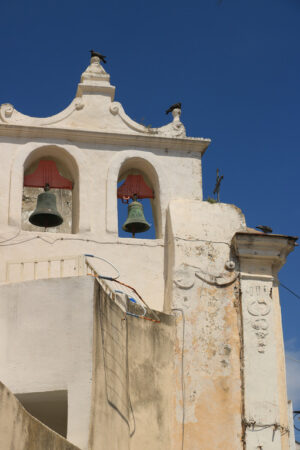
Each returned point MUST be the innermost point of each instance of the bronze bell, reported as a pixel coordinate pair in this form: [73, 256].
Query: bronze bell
[135, 222]
[46, 214]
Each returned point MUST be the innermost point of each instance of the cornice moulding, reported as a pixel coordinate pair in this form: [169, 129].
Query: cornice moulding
[272, 247]
[198, 145]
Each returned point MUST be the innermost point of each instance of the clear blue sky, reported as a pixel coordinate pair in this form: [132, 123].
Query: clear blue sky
[234, 66]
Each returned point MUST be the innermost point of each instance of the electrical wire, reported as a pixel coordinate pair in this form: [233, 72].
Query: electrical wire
[292, 359]
[202, 240]
[102, 328]
[132, 288]
[108, 262]
[276, 426]
[182, 373]
[13, 237]
[17, 243]
[157, 320]
[75, 239]
[288, 289]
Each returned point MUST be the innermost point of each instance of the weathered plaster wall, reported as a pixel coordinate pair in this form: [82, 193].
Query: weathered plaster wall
[205, 297]
[151, 372]
[132, 381]
[46, 332]
[20, 431]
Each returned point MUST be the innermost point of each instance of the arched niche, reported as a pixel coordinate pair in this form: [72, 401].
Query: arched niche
[134, 162]
[66, 199]
[68, 162]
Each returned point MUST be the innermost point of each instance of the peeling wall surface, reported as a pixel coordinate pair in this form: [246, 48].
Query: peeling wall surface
[20, 431]
[205, 297]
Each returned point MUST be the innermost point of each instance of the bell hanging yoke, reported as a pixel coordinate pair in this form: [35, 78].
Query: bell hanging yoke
[134, 185]
[46, 176]
[135, 188]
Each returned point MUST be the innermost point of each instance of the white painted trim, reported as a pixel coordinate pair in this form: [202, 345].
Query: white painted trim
[188, 144]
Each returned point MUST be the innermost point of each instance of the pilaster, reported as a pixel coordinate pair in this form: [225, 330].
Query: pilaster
[265, 407]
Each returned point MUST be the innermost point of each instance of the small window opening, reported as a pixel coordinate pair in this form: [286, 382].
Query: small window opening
[123, 216]
[50, 407]
[64, 200]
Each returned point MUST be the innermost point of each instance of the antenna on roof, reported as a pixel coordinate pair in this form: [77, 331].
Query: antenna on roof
[217, 186]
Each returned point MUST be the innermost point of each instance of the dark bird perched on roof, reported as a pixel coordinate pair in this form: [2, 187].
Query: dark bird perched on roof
[102, 57]
[175, 106]
[264, 228]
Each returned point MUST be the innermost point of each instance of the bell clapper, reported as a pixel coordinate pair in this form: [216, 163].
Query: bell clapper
[46, 189]
[134, 199]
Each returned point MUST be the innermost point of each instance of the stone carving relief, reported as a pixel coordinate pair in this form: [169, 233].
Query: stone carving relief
[95, 72]
[79, 104]
[259, 308]
[8, 114]
[185, 276]
[8, 109]
[117, 109]
[173, 129]
[94, 80]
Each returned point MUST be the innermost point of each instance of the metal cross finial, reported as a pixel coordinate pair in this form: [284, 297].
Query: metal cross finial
[217, 186]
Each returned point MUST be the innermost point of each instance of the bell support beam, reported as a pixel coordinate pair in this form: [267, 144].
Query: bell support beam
[47, 173]
[265, 421]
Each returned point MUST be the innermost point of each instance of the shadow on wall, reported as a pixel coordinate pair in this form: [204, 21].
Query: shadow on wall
[51, 408]
[19, 430]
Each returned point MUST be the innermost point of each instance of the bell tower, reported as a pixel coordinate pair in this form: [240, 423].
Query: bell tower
[166, 343]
